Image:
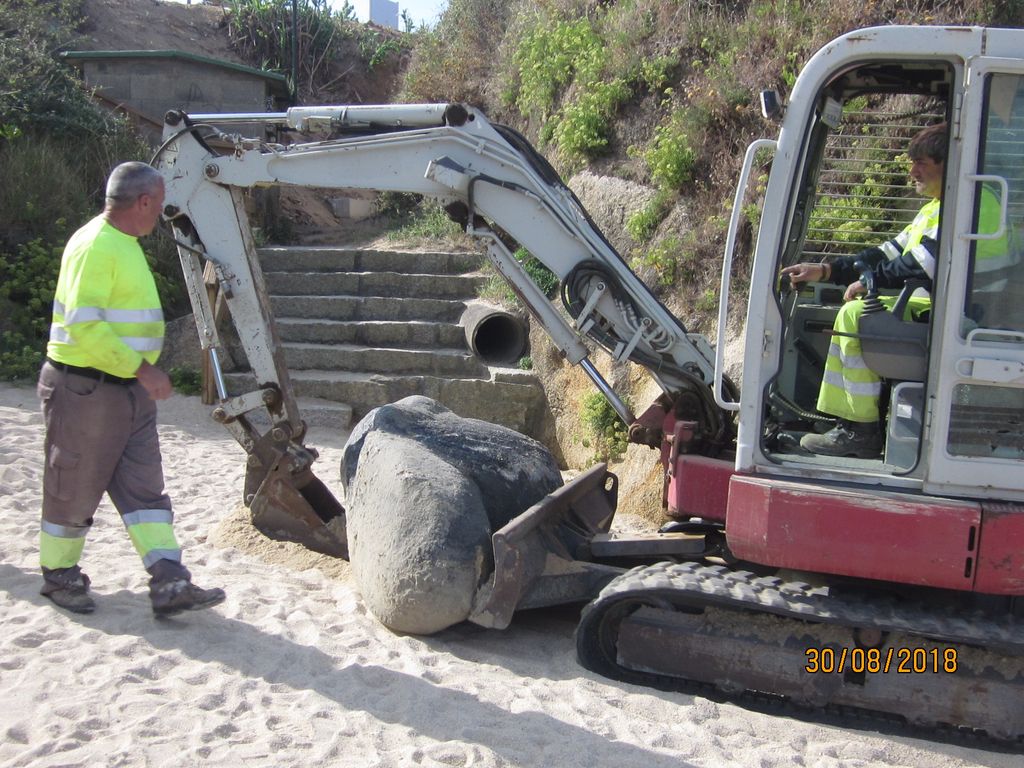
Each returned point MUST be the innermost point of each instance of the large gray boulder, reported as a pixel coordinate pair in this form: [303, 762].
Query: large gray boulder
[424, 490]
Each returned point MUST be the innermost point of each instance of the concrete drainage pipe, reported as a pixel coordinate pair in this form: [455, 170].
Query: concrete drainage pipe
[494, 335]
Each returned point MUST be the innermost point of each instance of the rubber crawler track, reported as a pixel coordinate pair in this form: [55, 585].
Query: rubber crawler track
[689, 586]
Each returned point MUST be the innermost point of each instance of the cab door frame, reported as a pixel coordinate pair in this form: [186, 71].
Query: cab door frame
[960, 356]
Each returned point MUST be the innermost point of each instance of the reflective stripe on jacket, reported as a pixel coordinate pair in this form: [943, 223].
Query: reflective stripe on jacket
[911, 254]
[106, 310]
[917, 239]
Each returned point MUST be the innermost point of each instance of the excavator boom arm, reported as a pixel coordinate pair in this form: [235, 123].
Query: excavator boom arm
[452, 154]
[488, 177]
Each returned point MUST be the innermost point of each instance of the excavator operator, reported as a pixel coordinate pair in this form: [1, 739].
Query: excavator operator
[849, 389]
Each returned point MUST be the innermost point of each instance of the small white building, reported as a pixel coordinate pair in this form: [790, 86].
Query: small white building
[383, 12]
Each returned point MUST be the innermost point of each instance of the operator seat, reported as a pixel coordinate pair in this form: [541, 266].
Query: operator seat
[897, 350]
[892, 347]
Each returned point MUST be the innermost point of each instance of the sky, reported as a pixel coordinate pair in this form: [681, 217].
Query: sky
[421, 10]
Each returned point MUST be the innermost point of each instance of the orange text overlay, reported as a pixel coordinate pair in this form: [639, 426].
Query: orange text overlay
[906, 661]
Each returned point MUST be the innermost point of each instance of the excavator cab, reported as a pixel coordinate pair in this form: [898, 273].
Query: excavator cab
[901, 547]
[945, 491]
[853, 192]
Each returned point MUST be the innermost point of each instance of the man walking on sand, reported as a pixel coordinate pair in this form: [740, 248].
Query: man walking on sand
[99, 388]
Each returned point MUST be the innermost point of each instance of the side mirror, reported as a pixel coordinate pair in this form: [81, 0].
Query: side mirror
[771, 105]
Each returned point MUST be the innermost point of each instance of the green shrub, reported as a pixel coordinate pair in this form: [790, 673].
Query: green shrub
[584, 124]
[642, 224]
[38, 94]
[377, 49]
[498, 290]
[672, 153]
[455, 60]
[28, 278]
[545, 279]
[654, 73]
[397, 205]
[42, 176]
[328, 39]
[263, 28]
[664, 258]
[708, 301]
[610, 434]
[427, 220]
[550, 55]
[567, 57]
[186, 381]
[56, 145]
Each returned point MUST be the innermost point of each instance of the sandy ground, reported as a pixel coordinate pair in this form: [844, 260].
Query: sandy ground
[292, 671]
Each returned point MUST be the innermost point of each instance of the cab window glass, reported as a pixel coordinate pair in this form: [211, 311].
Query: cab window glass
[986, 419]
[995, 290]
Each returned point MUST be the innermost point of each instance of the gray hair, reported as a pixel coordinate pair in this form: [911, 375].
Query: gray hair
[129, 181]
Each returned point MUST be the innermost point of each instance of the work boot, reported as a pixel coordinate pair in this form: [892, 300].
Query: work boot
[171, 597]
[862, 440]
[68, 588]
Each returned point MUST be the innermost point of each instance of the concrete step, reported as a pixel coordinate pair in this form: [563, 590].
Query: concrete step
[315, 411]
[364, 327]
[333, 259]
[415, 334]
[353, 357]
[363, 308]
[325, 413]
[509, 397]
[389, 284]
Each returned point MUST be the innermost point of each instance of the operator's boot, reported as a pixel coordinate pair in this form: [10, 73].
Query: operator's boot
[862, 440]
[68, 588]
[171, 597]
[171, 590]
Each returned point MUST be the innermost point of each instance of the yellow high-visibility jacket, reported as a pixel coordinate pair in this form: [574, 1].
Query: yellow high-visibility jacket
[106, 310]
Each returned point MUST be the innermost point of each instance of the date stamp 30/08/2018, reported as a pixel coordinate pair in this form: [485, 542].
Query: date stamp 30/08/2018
[902, 660]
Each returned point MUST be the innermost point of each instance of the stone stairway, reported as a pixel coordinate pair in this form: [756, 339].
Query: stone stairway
[362, 328]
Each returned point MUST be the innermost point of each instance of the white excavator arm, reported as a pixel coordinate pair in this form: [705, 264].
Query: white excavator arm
[487, 175]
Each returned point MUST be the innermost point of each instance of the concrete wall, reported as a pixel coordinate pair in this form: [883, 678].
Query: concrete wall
[153, 86]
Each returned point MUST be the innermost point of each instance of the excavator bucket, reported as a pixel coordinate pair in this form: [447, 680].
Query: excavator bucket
[541, 556]
[299, 507]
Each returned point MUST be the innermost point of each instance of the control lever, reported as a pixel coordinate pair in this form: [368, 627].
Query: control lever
[872, 303]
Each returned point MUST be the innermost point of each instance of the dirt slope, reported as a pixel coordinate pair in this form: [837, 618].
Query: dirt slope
[154, 25]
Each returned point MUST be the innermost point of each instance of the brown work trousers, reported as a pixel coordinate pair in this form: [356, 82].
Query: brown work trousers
[100, 436]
